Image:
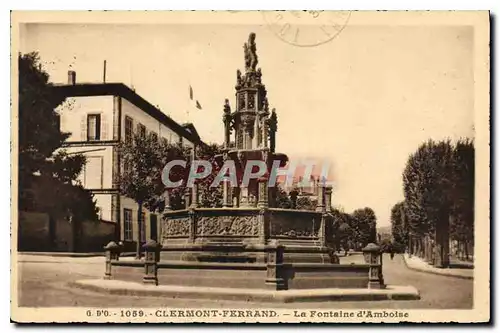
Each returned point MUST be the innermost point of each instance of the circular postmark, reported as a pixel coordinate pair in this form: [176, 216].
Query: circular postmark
[306, 27]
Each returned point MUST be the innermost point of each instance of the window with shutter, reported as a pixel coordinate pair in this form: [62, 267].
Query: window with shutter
[141, 129]
[129, 124]
[94, 127]
[104, 127]
[127, 224]
[83, 128]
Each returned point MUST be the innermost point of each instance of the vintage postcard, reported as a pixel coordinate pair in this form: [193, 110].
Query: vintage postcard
[250, 167]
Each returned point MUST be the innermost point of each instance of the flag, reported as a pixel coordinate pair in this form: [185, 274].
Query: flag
[191, 97]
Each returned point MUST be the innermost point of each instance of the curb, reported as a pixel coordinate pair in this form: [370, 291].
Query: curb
[436, 273]
[248, 295]
[64, 254]
[72, 254]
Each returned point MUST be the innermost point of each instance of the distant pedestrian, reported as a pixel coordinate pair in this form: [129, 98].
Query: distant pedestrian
[391, 251]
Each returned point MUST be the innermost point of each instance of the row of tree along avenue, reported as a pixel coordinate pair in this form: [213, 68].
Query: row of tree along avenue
[437, 213]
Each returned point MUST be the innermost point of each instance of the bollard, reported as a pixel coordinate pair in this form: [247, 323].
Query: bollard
[152, 256]
[275, 270]
[112, 251]
[373, 257]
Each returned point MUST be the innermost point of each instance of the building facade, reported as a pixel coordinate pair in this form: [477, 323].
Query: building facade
[99, 116]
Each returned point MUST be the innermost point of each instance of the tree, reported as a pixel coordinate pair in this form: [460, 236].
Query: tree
[143, 159]
[398, 225]
[282, 198]
[344, 233]
[427, 182]
[462, 222]
[43, 166]
[344, 236]
[39, 133]
[143, 162]
[169, 152]
[210, 197]
[366, 225]
[438, 183]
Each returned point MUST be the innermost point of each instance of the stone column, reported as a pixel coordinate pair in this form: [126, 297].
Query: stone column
[235, 196]
[112, 251]
[192, 225]
[263, 204]
[323, 228]
[226, 194]
[264, 134]
[243, 196]
[320, 207]
[263, 219]
[152, 256]
[275, 271]
[255, 132]
[166, 196]
[373, 257]
[328, 198]
[263, 200]
[272, 141]
[187, 196]
[293, 198]
[195, 196]
[227, 124]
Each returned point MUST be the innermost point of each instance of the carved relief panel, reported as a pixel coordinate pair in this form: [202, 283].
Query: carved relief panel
[227, 225]
[175, 227]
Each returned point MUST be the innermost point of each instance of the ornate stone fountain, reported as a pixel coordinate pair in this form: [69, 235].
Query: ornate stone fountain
[249, 218]
[249, 242]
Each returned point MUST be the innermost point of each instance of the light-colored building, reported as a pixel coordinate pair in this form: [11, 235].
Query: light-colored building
[99, 116]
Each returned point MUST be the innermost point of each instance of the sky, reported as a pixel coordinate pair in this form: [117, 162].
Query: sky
[363, 101]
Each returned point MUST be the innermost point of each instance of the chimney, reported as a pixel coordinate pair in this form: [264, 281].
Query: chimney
[72, 77]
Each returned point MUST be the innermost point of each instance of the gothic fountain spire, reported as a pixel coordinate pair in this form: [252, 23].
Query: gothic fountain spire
[254, 129]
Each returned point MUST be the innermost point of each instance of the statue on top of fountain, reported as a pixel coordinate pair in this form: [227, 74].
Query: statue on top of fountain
[251, 59]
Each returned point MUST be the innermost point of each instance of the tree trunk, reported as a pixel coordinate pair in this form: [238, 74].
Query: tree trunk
[442, 239]
[139, 232]
[74, 234]
[52, 244]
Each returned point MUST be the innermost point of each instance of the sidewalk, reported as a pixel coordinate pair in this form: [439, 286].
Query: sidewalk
[47, 257]
[417, 264]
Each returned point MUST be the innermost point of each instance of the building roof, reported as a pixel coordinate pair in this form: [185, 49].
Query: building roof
[187, 131]
[191, 129]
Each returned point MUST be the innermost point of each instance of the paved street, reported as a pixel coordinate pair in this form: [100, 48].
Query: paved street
[43, 280]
